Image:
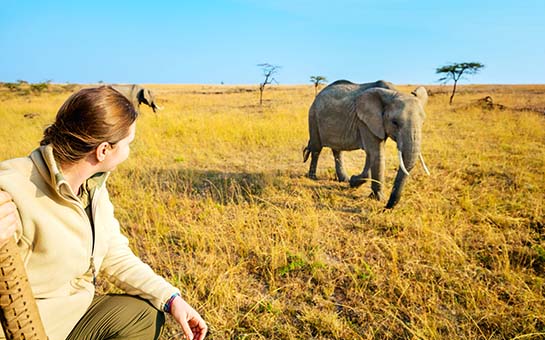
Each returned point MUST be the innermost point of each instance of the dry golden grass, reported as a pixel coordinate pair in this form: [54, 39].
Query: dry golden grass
[215, 198]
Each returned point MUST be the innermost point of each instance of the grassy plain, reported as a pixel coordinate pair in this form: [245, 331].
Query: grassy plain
[215, 198]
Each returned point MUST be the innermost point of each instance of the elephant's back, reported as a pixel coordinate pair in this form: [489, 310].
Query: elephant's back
[342, 88]
[335, 100]
[130, 92]
[341, 82]
[338, 89]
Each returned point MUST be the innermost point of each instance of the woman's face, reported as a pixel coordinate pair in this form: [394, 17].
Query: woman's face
[120, 151]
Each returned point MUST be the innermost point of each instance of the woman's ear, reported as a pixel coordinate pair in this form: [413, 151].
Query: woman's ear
[102, 151]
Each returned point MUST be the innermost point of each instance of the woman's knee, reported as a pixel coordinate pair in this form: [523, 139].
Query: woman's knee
[145, 322]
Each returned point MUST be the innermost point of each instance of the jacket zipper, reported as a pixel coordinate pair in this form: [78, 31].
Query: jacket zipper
[91, 225]
[93, 270]
[93, 236]
[90, 221]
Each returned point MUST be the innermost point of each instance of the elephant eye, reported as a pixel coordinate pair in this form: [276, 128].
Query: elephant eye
[395, 122]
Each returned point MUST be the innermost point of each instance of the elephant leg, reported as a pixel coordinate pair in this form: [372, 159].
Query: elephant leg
[339, 167]
[374, 161]
[378, 163]
[314, 155]
[365, 172]
[357, 180]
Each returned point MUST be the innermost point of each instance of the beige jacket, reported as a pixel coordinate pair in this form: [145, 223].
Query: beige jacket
[56, 243]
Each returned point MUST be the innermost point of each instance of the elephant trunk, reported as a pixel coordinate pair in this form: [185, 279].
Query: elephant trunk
[408, 154]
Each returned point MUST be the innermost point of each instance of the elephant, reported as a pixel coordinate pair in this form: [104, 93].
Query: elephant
[137, 94]
[347, 116]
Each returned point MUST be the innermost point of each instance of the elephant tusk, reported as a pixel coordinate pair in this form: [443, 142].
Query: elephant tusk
[158, 107]
[401, 164]
[424, 164]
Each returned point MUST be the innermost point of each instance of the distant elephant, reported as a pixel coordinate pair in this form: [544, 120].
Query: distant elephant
[137, 94]
[347, 116]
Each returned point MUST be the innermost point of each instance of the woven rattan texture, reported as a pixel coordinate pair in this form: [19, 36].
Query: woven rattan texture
[18, 310]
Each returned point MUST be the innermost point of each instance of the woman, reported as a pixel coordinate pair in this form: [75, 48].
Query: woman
[56, 205]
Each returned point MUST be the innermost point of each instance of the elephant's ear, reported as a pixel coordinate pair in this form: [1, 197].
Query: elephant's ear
[140, 95]
[422, 94]
[370, 108]
[148, 96]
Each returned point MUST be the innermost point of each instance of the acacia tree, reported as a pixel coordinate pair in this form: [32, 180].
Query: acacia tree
[317, 80]
[268, 71]
[454, 71]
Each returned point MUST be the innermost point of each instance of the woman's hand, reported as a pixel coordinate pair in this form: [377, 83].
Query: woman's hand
[9, 218]
[191, 322]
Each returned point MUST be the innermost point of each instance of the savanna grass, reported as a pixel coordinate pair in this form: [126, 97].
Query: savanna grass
[215, 198]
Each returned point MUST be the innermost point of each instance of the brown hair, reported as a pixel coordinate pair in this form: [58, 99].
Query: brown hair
[88, 118]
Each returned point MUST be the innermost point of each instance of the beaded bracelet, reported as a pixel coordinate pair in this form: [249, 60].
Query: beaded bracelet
[168, 304]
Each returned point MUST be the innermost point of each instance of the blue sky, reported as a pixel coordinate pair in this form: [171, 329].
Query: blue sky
[209, 42]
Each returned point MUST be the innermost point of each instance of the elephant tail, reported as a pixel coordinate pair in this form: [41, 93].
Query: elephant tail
[306, 152]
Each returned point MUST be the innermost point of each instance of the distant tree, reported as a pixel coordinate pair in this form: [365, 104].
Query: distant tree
[454, 71]
[39, 87]
[69, 87]
[317, 80]
[268, 71]
[12, 86]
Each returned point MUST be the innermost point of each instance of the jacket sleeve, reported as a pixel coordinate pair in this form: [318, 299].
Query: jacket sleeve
[121, 266]
[23, 242]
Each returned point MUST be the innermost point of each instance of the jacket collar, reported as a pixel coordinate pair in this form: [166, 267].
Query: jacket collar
[48, 168]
